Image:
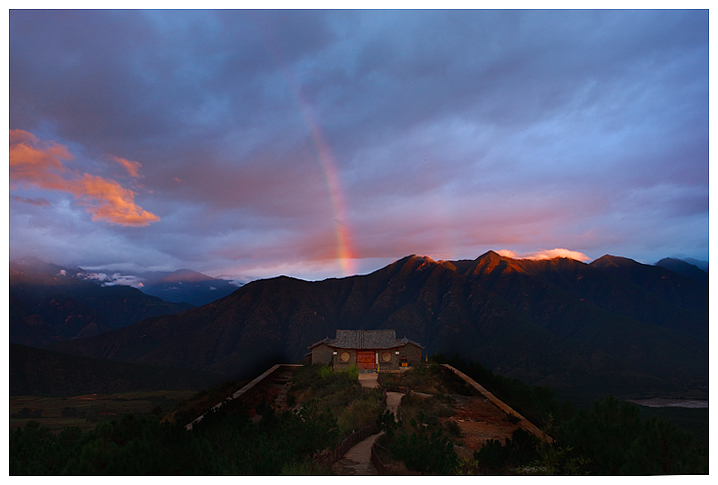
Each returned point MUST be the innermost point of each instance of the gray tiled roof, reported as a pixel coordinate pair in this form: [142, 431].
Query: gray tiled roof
[366, 339]
[405, 341]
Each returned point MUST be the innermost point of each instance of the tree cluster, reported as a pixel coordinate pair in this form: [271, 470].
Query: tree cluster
[229, 444]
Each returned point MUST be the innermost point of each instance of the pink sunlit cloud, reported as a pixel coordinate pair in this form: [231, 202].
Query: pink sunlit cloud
[40, 164]
[132, 167]
[546, 254]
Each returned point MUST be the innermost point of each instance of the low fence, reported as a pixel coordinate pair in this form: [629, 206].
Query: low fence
[376, 461]
[330, 456]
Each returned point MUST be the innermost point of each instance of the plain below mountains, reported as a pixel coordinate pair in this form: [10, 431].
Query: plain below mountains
[38, 372]
[612, 326]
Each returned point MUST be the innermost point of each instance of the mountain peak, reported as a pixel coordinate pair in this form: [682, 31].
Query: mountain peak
[33, 266]
[491, 254]
[684, 268]
[185, 275]
[608, 260]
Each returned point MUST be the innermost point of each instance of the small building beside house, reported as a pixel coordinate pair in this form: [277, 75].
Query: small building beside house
[378, 350]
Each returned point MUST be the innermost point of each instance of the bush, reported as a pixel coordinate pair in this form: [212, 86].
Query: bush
[353, 372]
[518, 450]
[359, 414]
[424, 449]
[614, 440]
[325, 372]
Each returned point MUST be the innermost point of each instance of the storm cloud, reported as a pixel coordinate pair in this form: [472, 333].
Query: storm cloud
[321, 143]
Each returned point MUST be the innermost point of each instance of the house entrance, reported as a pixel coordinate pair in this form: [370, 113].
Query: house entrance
[366, 360]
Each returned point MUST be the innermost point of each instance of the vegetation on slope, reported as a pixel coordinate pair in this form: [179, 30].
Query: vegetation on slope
[611, 438]
[227, 441]
[340, 393]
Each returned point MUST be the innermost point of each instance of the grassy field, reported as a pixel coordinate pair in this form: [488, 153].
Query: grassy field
[85, 412]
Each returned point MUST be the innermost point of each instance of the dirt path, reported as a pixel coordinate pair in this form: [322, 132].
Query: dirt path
[369, 380]
[393, 401]
[357, 461]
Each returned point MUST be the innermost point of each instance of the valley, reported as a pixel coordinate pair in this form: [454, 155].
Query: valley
[85, 411]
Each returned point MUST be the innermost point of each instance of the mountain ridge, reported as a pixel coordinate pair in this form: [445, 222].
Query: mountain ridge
[560, 322]
[50, 303]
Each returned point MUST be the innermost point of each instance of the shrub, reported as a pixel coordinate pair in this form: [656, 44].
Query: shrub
[325, 372]
[518, 450]
[358, 414]
[353, 372]
[425, 449]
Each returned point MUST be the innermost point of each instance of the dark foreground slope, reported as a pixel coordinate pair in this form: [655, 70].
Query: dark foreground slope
[37, 372]
[592, 328]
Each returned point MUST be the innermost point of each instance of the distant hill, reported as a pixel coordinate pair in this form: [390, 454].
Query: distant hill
[189, 286]
[37, 372]
[50, 303]
[613, 326]
[685, 268]
[698, 263]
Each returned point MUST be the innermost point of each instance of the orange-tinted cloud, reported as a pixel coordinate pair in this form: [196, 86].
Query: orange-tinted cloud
[34, 161]
[40, 164]
[132, 167]
[546, 254]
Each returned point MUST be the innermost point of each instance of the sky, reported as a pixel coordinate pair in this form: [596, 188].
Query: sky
[320, 143]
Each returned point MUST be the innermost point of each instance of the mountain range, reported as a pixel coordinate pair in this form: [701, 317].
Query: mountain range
[186, 285]
[612, 326]
[50, 303]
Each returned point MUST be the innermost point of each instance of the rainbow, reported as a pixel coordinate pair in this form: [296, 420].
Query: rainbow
[344, 253]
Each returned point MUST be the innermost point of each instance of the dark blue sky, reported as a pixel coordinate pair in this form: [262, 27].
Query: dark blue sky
[324, 143]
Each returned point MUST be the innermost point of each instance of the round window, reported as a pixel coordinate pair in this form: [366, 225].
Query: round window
[386, 356]
[345, 356]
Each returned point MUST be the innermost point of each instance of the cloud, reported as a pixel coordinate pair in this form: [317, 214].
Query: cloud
[546, 254]
[40, 164]
[116, 279]
[107, 200]
[132, 167]
[40, 202]
[452, 133]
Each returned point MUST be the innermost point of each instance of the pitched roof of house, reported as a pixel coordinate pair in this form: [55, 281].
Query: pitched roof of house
[366, 339]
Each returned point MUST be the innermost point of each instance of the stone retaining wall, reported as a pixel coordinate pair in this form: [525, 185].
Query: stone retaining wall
[242, 393]
[524, 423]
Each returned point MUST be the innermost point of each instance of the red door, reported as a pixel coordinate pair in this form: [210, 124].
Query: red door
[366, 360]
